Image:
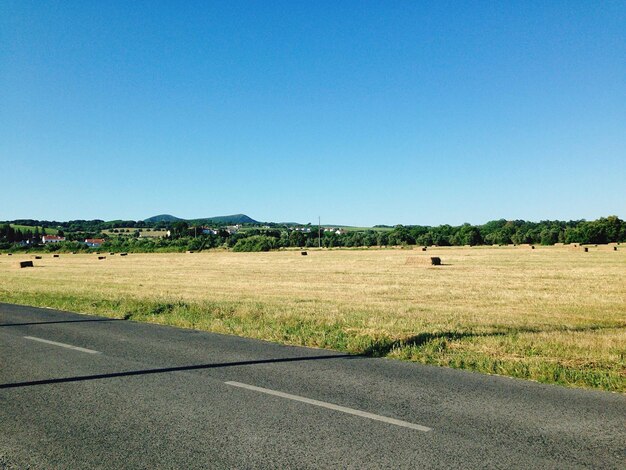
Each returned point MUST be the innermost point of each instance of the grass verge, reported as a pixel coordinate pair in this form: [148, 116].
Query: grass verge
[521, 352]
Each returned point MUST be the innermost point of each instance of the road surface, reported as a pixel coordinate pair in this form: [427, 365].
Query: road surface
[80, 391]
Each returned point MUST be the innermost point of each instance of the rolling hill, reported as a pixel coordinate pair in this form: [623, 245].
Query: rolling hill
[222, 219]
[162, 218]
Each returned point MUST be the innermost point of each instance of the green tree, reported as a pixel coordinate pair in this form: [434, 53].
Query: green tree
[255, 243]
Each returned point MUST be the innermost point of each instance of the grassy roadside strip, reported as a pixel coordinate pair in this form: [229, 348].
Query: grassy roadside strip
[504, 351]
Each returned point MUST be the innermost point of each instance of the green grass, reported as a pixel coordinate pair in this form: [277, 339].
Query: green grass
[450, 349]
[24, 228]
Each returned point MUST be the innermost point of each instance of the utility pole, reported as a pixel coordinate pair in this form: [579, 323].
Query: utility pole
[319, 232]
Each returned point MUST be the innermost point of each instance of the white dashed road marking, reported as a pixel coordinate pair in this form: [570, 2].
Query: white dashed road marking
[331, 406]
[63, 345]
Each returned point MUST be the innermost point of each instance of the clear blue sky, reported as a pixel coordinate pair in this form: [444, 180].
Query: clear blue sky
[360, 112]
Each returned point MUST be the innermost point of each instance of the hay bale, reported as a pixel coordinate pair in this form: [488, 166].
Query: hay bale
[423, 248]
[435, 261]
[26, 264]
[9, 254]
[123, 254]
[607, 247]
[37, 257]
[614, 248]
[102, 257]
[303, 253]
[189, 251]
[55, 256]
[532, 247]
[111, 254]
[585, 249]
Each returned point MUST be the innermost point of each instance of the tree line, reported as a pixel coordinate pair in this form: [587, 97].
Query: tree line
[497, 232]
[90, 226]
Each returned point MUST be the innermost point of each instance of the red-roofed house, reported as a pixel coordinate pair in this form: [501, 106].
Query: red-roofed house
[52, 239]
[94, 242]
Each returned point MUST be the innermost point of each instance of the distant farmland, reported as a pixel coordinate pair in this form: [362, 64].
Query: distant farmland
[553, 314]
[28, 228]
[143, 232]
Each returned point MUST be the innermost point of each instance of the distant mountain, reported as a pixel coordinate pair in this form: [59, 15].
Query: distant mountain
[162, 218]
[226, 219]
[222, 219]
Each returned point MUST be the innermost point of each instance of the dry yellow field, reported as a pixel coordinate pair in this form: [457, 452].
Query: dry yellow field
[553, 314]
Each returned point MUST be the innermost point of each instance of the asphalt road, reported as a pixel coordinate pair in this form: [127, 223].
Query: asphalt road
[79, 392]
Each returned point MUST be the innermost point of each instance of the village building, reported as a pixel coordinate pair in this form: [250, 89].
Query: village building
[335, 230]
[52, 239]
[94, 242]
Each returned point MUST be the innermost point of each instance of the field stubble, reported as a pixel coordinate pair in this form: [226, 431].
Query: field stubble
[552, 314]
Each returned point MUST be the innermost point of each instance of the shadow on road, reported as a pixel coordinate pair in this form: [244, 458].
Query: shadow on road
[163, 370]
[60, 321]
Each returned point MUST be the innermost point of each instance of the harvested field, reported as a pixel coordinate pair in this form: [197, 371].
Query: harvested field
[551, 314]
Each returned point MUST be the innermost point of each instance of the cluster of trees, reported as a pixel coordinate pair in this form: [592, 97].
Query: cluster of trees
[10, 235]
[498, 232]
[90, 226]
[256, 243]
